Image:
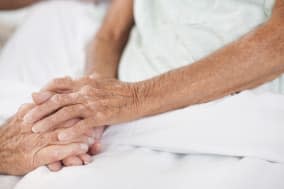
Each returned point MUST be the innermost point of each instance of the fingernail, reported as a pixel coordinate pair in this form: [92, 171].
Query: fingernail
[88, 160]
[91, 140]
[62, 136]
[84, 147]
[35, 129]
[98, 147]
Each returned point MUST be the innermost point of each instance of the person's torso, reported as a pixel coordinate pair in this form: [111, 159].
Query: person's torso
[170, 34]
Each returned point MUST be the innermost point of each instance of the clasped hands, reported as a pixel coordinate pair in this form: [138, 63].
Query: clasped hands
[79, 109]
[64, 124]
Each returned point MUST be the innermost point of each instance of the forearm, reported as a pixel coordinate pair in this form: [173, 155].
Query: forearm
[15, 4]
[2, 151]
[104, 56]
[255, 59]
[106, 49]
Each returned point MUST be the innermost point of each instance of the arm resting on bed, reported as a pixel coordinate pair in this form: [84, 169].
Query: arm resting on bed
[256, 58]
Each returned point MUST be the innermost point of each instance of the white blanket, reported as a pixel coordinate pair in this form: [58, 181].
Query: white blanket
[233, 143]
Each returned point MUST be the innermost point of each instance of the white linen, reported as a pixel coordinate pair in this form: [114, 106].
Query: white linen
[234, 143]
[187, 148]
[9, 20]
[171, 34]
[243, 125]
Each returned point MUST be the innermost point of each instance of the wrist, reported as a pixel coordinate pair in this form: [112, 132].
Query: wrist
[161, 94]
[146, 98]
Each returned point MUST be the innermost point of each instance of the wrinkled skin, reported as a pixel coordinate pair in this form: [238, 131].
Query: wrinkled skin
[21, 151]
[84, 87]
[97, 102]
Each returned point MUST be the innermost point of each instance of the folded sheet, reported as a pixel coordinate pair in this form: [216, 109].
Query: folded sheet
[246, 125]
[234, 143]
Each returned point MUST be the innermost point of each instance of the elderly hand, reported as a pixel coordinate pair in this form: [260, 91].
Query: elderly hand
[97, 102]
[84, 158]
[22, 151]
[95, 133]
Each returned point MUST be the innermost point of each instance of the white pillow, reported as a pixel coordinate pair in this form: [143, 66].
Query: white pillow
[9, 20]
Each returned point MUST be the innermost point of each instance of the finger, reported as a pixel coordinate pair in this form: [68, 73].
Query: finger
[98, 132]
[24, 109]
[95, 148]
[60, 84]
[56, 166]
[91, 133]
[41, 97]
[54, 103]
[21, 113]
[77, 130]
[52, 139]
[88, 137]
[55, 153]
[61, 116]
[72, 161]
[69, 123]
[85, 158]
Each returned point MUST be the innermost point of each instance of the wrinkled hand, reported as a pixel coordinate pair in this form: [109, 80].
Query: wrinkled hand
[94, 148]
[95, 135]
[21, 151]
[85, 158]
[97, 102]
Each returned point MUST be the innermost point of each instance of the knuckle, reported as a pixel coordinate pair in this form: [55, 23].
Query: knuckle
[87, 90]
[48, 139]
[60, 82]
[60, 98]
[56, 98]
[23, 109]
[88, 108]
[82, 108]
[66, 111]
[70, 111]
[77, 97]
